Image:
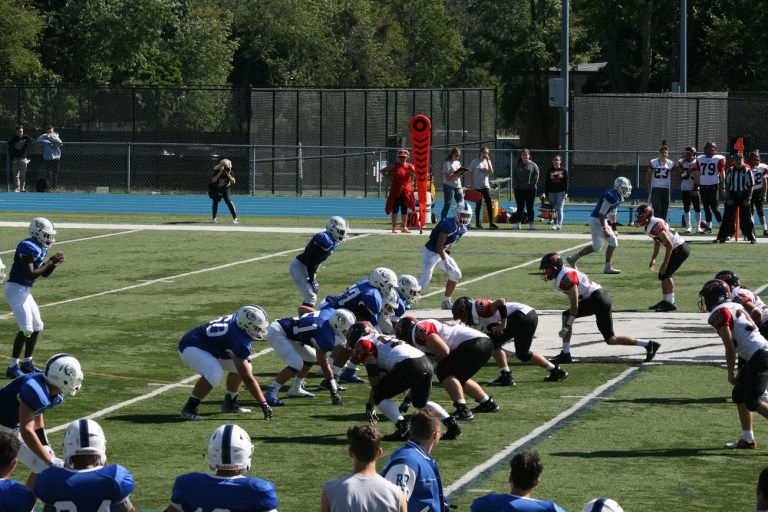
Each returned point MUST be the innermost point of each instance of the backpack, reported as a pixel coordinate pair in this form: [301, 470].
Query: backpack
[41, 185]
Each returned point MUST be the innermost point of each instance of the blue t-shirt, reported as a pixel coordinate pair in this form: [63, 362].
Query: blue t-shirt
[319, 248]
[15, 497]
[87, 489]
[415, 471]
[449, 227]
[30, 389]
[218, 336]
[205, 493]
[26, 247]
[609, 201]
[362, 299]
[512, 503]
[312, 329]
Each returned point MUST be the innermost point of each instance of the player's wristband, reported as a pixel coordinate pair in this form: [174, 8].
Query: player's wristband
[40, 433]
[569, 321]
[614, 225]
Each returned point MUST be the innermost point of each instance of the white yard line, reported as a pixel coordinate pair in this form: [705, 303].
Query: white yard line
[13, 251]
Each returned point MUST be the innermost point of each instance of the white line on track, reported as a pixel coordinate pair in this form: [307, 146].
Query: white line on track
[506, 452]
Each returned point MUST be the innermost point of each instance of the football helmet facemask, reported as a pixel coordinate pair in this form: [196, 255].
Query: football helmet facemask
[643, 215]
[358, 330]
[84, 437]
[713, 293]
[551, 264]
[252, 319]
[462, 310]
[623, 186]
[730, 277]
[391, 302]
[409, 288]
[230, 448]
[41, 231]
[383, 279]
[337, 227]
[341, 320]
[462, 212]
[63, 371]
[404, 329]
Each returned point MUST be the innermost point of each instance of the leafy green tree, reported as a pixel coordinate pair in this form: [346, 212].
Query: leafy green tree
[20, 29]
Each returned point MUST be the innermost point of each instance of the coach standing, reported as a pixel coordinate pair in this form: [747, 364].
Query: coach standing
[739, 183]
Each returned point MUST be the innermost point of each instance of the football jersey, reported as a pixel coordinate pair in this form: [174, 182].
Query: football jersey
[746, 336]
[710, 169]
[739, 294]
[217, 337]
[512, 503]
[567, 278]
[661, 174]
[482, 317]
[94, 489]
[657, 226]
[449, 227]
[608, 202]
[15, 497]
[201, 492]
[362, 298]
[26, 247]
[452, 335]
[760, 171]
[687, 174]
[387, 350]
[30, 389]
[312, 329]
[319, 248]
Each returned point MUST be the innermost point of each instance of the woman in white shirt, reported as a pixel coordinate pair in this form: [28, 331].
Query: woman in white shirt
[482, 169]
[452, 181]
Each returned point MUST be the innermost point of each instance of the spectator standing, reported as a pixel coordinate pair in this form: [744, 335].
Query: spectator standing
[689, 188]
[29, 263]
[412, 468]
[364, 490]
[556, 189]
[711, 170]
[739, 185]
[51, 155]
[14, 497]
[525, 177]
[482, 170]
[660, 182]
[760, 172]
[229, 456]
[452, 173]
[17, 152]
[221, 187]
[399, 175]
[524, 476]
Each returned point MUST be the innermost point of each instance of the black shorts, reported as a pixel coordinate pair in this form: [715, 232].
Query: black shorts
[679, 255]
[520, 327]
[465, 360]
[752, 381]
[414, 374]
[598, 304]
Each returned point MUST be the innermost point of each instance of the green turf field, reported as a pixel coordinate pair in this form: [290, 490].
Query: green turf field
[653, 440]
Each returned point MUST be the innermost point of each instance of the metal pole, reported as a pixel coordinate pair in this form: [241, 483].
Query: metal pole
[564, 71]
[683, 45]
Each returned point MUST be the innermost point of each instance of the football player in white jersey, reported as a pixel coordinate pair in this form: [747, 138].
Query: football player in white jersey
[676, 251]
[586, 298]
[741, 339]
[711, 169]
[749, 300]
[689, 188]
[760, 172]
[660, 181]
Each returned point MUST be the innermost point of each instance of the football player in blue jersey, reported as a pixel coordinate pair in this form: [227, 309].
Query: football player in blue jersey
[23, 403]
[301, 342]
[524, 477]
[86, 482]
[224, 344]
[304, 267]
[436, 252]
[602, 231]
[14, 497]
[29, 263]
[229, 455]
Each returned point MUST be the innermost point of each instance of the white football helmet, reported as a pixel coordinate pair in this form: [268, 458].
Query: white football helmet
[41, 231]
[84, 437]
[341, 320]
[337, 227]
[230, 448]
[602, 505]
[462, 212]
[63, 371]
[2, 271]
[391, 301]
[383, 279]
[253, 320]
[623, 186]
[409, 288]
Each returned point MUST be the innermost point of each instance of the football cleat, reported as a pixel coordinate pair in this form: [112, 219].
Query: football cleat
[571, 260]
[14, 372]
[562, 357]
[190, 413]
[556, 374]
[273, 400]
[401, 434]
[325, 386]
[651, 350]
[447, 304]
[742, 444]
[230, 405]
[349, 376]
[29, 367]
[505, 379]
[462, 412]
[300, 393]
[665, 306]
[609, 269]
[487, 406]
[454, 430]
[653, 308]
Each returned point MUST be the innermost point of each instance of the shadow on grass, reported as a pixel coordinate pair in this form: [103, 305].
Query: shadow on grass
[633, 454]
[149, 419]
[339, 439]
[673, 401]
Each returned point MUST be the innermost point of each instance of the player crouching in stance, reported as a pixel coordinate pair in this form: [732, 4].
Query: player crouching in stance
[676, 251]
[740, 338]
[587, 298]
[86, 482]
[505, 321]
[229, 455]
[394, 367]
[460, 352]
[224, 344]
[302, 342]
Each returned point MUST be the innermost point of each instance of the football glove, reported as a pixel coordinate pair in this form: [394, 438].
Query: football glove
[55, 462]
[267, 410]
[336, 399]
[314, 285]
[563, 332]
[370, 414]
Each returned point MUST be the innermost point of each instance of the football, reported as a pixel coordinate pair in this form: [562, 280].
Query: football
[703, 224]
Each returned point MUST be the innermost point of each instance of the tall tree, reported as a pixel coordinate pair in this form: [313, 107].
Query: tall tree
[20, 29]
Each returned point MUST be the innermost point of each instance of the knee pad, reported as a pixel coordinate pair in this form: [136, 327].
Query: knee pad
[524, 356]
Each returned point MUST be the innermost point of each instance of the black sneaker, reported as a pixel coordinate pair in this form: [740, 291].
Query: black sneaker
[505, 379]
[653, 308]
[664, 306]
[325, 385]
[493, 226]
[231, 405]
[561, 358]
[556, 374]
[463, 413]
[401, 432]
[487, 406]
[708, 231]
[479, 226]
[454, 430]
[651, 350]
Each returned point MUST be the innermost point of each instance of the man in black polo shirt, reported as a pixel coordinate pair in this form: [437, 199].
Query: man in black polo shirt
[739, 183]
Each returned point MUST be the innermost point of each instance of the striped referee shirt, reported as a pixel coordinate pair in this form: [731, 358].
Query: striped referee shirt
[739, 180]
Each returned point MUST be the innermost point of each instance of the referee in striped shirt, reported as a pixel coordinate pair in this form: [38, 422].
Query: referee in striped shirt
[739, 183]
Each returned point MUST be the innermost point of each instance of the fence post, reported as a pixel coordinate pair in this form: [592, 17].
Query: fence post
[252, 151]
[128, 170]
[300, 172]
[637, 175]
